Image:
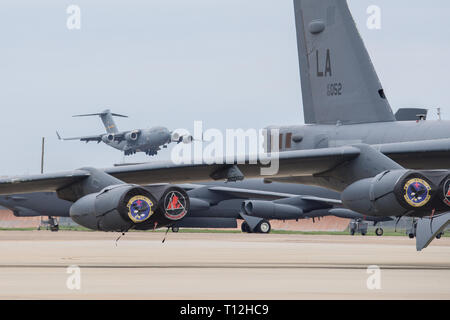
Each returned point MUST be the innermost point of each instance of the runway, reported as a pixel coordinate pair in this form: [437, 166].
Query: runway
[33, 265]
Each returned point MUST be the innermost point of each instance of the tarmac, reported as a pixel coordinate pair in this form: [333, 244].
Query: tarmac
[34, 265]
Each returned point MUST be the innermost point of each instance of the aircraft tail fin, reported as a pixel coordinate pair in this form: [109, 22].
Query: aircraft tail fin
[107, 119]
[339, 82]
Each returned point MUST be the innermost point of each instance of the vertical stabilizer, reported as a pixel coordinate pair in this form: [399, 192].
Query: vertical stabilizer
[339, 82]
[107, 119]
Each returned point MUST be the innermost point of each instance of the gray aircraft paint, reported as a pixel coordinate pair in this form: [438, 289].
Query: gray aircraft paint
[335, 68]
[335, 117]
[299, 167]
[47, 203]
[149, 141]
[227, 207]
[36, 204]
[411, 114]
[360, 113]
[107, 119]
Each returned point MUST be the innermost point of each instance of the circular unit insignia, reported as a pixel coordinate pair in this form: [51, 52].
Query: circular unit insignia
[446, 191]
[175, 205]
[139, 208]
[417, 192]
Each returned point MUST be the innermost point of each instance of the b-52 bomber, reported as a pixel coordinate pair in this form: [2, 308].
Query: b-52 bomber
[220, 205]
[351, 143]
[149, 141]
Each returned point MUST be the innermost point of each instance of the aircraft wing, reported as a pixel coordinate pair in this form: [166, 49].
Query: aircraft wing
[302, 162]
[42, 182]
[427, 154]
[435, 154]
[97, 138]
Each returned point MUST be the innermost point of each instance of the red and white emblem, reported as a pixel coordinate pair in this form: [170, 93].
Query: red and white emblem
[175, 205]
[447, 192]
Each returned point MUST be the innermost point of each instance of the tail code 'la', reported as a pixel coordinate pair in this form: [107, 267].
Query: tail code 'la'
[339, 82]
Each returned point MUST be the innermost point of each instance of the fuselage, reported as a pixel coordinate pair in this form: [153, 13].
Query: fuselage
[148, 140]
[324, 136]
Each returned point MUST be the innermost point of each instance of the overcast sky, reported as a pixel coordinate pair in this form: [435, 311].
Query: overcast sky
[230, 63]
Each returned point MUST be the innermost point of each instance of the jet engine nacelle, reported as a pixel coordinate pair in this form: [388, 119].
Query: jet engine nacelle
[108, 138]
[132, 136]
[187, 139]
[124, 207]
[271, 210]
[397, 192]
[176, 137]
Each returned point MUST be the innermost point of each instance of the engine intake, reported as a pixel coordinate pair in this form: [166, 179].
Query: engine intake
[132, 136]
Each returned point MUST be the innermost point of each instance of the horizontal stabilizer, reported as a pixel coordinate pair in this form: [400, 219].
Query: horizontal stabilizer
[107, 119]
[411, 114]
[101, 114]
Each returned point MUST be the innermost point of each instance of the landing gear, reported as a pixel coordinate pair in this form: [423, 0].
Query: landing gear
[263, 227]
[129, 152]
[439, 235]
[245, 227]
[358, 226]
[51, 223]
[175, 229]
[151, 152]
[54, 226]
[411, 232]
[379, 232]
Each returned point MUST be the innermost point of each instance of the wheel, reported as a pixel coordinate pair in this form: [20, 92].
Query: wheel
[175, 229]
[379, 232]
[411, 235]
[54, 228]
[245, 227]
[438, 236]
[263, 227]
[363, 233]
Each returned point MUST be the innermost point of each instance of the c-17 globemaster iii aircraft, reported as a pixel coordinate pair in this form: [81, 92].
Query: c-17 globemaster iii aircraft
[351, 143]
[149, 141]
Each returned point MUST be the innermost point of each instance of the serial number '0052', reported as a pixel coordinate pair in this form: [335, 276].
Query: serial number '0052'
[334, 89]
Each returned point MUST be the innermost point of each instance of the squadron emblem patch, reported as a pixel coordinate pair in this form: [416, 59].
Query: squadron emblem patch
[446, 191]
[139, 208]
[417, 192]
[175, 205]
